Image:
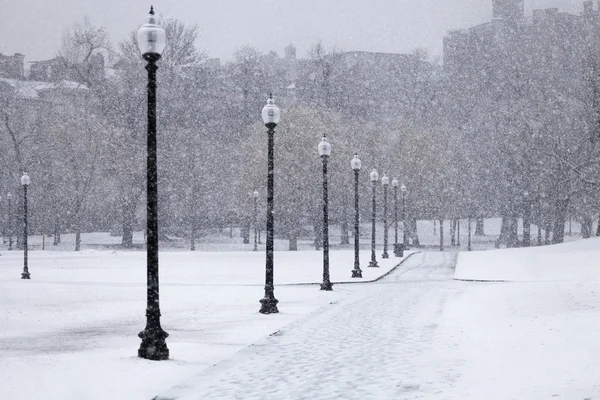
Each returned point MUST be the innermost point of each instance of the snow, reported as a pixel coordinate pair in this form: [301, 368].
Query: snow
[572, 261]
[73, 328]
[418, 333]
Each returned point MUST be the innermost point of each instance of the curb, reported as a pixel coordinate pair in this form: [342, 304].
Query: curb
[354, 282]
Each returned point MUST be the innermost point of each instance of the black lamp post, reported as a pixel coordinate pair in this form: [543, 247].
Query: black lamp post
[441, 235]
[374, 176]
[356, 164]
[398, 250]
[526, 219]
[404, 237]
[469, 239]
[25, 181]
[325, 151]
[151, 41]
[10, 224]
[385, 182]
[255, 195]
[270, 115]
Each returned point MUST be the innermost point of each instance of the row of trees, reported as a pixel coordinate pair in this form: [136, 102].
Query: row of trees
[514, 136]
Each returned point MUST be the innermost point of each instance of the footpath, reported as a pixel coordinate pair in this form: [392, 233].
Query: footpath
[379, 342]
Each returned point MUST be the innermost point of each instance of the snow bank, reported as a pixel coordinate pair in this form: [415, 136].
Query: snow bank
[574, 261]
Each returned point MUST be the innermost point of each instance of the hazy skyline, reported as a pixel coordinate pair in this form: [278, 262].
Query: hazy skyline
[35, 27]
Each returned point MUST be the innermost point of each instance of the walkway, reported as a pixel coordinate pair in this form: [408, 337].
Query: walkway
[377, 343]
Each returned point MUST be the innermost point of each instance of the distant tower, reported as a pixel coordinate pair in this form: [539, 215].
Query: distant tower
[509, 9]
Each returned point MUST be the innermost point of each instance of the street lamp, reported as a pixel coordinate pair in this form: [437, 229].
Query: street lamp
[10, 225]
[356, 164]
[255, 195]
[398, 250]
[404, 238]
[526, 220]
[270, 116]
[374, 176]
[325, 151]
[385, 182]
[25, 181]
[151, 40]
[469, 239]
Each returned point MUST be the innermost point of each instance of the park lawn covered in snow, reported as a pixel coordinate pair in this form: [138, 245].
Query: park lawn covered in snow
[71, 332]
[534, 335]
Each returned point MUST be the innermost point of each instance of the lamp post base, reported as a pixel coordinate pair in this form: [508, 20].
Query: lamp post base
[373, 264]
[269, 305]
[153, 345]
[25, 275]
[357, 273]
[385, 255]
[328, 286]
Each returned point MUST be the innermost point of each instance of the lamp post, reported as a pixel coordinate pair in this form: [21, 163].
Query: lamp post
[526, 220]
[374, 176]
[255, 195]
[398, 250]
[10, 225]
[270, 116]
[356, 164]
[151, 40]
[25, 181]
[441, 235]
[469, 239]
[325, 151]
[404, 238]
[385, 182]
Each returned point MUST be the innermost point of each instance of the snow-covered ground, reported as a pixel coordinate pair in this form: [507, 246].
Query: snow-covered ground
[71, 332]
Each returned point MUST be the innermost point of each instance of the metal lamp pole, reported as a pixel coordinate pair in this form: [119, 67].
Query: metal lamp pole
[385, 182]
[356, 164]
[374, 176]
[255, 195]
[469, 239]
[25, 181]
[404, 237]
[151, 41]
[398, 251]
[325, 151]
[10, 224]
[271, 116]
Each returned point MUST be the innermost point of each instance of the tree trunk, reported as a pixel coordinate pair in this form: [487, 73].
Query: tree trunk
[547, 229]
[318, 232]
[56, 231]
[77, 239]
[293, 241]
[128, 219]
[479, 227]
[413, 232]
[193, 237]
[586, 227]
[508, 232]
[597, 228]
[345, 237]
[453, 233]
[560, 220]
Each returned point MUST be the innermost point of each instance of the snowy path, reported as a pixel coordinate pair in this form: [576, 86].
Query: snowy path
[377, 342]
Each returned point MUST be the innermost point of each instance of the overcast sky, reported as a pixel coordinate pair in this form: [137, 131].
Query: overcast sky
[34, 27]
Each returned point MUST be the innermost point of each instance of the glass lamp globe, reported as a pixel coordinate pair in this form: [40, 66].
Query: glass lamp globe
[25, 180]
[151, 37]
[403, 189]
[270, 112]
[356, 163]
[374, 175]
[385, 180]
[255, 194]
[395, 183]
[324, 148]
